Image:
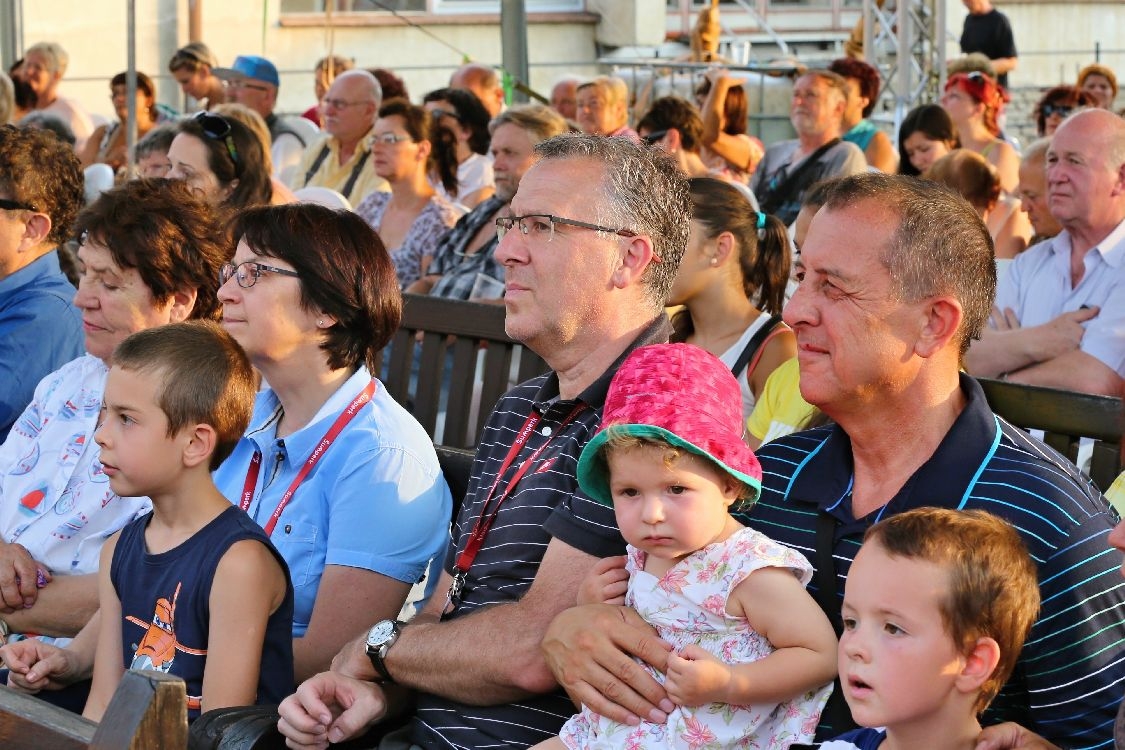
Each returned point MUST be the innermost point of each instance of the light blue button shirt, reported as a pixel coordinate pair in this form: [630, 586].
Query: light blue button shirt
[1038, 289]
[376, 500]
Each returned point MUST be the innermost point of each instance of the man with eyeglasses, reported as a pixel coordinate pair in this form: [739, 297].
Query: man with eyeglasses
[599, 227]
[468, 249]
[40, 329]
[603, 107]
[253, 82]
[1059, 319]
[339, 161]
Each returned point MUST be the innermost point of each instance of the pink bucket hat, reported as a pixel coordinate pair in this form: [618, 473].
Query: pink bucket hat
[682, 395]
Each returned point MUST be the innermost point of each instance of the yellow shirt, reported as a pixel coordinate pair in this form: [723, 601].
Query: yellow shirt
[1116, 494]
[332, 174]
[780, 409]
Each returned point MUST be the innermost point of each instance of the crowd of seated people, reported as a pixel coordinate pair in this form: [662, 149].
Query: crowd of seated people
[856, 286]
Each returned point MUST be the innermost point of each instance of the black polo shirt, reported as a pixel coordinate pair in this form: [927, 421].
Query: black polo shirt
[546, 503]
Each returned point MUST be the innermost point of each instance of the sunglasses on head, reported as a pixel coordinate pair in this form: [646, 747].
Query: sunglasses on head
[217, 128]
[10, 205]
[185, 55]
[438, 113]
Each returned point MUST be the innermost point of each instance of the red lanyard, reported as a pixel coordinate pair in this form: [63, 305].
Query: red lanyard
[484, 522]
[342, 421]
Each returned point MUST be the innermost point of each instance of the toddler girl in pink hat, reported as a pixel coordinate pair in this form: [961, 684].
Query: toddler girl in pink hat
[753, 656]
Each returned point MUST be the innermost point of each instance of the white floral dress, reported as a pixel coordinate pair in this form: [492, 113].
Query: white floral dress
[688, 605]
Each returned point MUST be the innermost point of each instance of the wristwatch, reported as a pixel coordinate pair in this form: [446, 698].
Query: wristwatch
[379, 641]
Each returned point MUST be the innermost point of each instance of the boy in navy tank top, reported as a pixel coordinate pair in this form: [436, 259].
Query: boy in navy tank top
[194, 588]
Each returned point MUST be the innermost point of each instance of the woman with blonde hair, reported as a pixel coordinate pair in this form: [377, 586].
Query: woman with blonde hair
[1100, 84]
[973, 101]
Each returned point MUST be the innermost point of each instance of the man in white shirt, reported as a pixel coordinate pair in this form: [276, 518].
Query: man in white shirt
[1059, 319]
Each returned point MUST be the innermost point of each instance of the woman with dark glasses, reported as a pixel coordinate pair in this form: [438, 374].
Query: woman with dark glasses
[973, 101]
[461, 115]
[222, 161]
[1056, 105]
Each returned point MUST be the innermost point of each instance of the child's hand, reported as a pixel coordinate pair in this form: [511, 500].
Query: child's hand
[606, 582]
[695, 678]
[34, 666]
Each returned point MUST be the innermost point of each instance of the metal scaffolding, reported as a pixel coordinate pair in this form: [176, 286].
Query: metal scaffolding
[905, 40]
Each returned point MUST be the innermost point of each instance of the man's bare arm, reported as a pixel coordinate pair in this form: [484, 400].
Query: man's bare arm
[63, 608]
[491, 656]
[1004, 65]
[1008, 347]
[1074, 371]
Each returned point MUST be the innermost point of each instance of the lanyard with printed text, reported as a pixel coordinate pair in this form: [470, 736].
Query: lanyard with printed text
[342, 421]
[489, 509]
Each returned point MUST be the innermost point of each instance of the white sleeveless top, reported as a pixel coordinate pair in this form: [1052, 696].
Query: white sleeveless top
[730, 356]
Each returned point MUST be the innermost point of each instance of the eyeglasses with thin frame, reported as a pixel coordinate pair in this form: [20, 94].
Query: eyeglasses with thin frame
[217, 128]
[241, 83]
[340, 103]
[543, 226]
[11, 205]
[390, 139]
[248, 272]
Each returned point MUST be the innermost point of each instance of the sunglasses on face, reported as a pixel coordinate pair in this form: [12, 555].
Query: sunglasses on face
[654, 137]
[1061, 110]
[217, 128]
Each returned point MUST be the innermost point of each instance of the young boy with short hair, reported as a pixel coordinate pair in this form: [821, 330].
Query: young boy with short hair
[194, 588]
[937, 605]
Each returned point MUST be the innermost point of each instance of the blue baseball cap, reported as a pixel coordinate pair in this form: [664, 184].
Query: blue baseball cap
[250, 66]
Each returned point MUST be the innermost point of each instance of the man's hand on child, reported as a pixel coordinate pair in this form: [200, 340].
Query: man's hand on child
[329, 708]
[1011, 736]
[695, 677]
[590, 650]
[606, 584]
[34, 666]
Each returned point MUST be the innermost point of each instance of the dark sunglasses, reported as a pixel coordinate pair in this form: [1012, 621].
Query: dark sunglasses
[10, 205]
[217, 128]
[440, 113]
[655, 136]
[1061, 110]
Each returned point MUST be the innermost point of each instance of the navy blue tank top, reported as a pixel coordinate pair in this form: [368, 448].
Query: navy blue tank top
[165, 603]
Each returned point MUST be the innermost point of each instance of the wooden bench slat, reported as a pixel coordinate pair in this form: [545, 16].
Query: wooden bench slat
[148, 710]
[1065, 417]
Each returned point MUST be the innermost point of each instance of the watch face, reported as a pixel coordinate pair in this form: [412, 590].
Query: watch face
[381, 633]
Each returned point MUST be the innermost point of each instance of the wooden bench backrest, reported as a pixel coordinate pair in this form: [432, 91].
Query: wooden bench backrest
[1065, 417]
[148, 710]
[468, 330]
